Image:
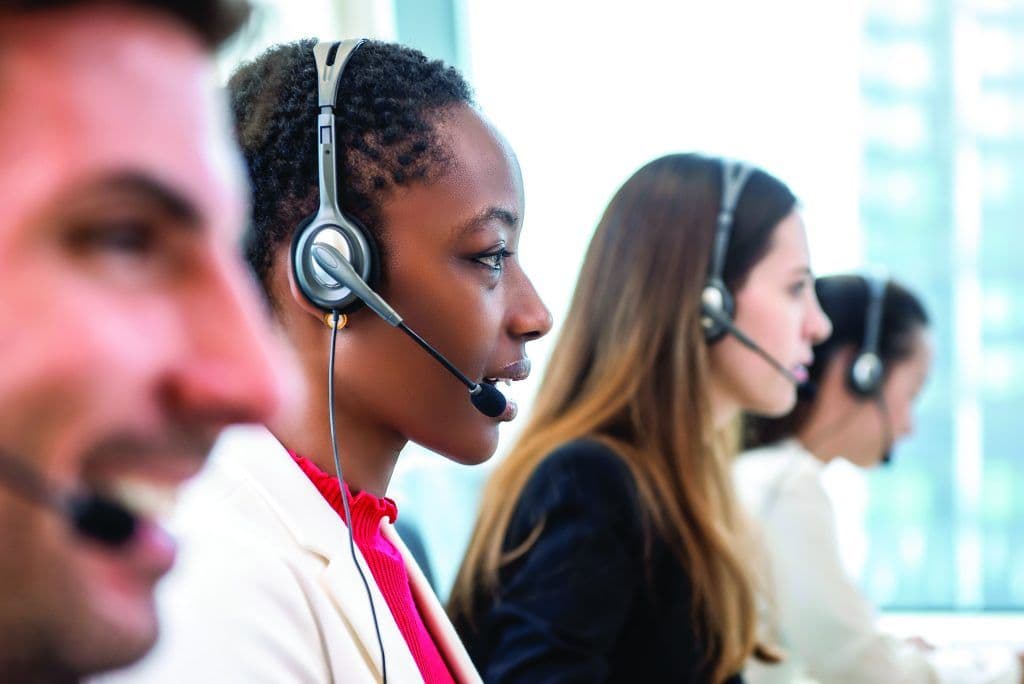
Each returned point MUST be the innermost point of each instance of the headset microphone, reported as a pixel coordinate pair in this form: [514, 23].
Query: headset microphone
[334, 263]
[92, 516]
[485, 397]
[866, 374]
[888, 441]
[353, 246]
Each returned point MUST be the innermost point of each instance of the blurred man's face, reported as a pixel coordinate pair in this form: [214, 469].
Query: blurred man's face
[129, 330]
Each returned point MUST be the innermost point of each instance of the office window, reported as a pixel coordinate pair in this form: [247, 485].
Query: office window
[942, 520]
[899, 123]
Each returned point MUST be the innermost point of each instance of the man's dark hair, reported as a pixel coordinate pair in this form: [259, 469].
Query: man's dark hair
[213, 21]
[389, 103]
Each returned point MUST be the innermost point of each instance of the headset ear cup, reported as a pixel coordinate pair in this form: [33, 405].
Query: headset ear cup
[372, 256]
[359, 244]
[851, 377]
[867, 371]
[865, 374]
[298, 275]
[715, 294]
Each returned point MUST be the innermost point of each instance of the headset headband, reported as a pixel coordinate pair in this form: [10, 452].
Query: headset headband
[331, 59]
[867, 370]
[873, 314]
[717, 305]
[734, 177]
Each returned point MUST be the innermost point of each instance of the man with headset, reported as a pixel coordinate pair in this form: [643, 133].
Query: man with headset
[122, 297]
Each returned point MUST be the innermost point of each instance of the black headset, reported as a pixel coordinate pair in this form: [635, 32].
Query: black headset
[333, 256]
[331, 226]
[717, 304]
[342, 241]
[866, 372]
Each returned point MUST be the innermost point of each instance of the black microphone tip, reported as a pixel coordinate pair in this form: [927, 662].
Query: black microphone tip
[807, 391]
[102, 520]
[488, 400]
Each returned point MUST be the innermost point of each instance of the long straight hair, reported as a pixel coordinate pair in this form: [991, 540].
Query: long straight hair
[631, 369]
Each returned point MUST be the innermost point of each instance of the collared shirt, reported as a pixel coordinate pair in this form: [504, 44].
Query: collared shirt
[814, 610]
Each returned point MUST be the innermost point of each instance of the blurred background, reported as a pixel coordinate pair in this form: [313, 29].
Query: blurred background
[899, 124]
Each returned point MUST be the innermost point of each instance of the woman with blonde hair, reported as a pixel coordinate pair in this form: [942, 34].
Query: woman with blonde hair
[607, 545]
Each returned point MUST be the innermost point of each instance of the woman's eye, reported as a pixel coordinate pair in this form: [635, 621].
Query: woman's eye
[799, 287]
[493, 260]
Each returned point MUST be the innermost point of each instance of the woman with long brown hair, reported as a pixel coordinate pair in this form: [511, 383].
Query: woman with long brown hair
[607, 547]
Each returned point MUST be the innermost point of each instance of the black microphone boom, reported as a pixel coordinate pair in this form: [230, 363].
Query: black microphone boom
[724, 321]
[484, 396]
[90, 515]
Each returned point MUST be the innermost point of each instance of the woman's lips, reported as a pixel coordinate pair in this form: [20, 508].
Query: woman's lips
[515, 371]
[511, 409]
[800, 374]
[503, 379]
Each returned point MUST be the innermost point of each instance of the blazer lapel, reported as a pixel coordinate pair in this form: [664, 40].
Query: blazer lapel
[256, 455]
[434, 617]
[343, 584]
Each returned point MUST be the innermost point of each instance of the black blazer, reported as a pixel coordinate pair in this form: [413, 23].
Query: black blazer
[584, 604]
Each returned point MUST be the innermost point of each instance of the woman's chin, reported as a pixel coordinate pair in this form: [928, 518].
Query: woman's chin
[469, 447]
[775, 405]
[474, 454]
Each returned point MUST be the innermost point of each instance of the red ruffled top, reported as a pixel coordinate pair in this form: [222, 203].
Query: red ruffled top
[386, 566]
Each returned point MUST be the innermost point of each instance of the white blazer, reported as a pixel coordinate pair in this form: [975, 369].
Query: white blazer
[815, 611]
[265, 589]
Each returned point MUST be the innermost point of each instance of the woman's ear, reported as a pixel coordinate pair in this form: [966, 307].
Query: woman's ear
[284, 263]
[833, 380]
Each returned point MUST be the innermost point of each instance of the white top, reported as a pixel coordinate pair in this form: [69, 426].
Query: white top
[265, 590]
[815, 612]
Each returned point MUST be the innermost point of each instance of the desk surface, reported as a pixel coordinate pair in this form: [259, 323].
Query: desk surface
[958, 629]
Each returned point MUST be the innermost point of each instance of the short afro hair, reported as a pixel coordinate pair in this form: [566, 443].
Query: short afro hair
[389, 101]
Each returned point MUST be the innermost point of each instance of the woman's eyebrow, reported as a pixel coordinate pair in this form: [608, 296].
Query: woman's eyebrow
[506, 216]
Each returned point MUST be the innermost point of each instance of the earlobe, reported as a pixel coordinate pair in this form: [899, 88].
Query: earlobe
[833, 379]
[300, 298]
[293, 291]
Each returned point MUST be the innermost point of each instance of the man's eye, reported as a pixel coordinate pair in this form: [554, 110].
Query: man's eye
[129, 238]
[132, 250]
